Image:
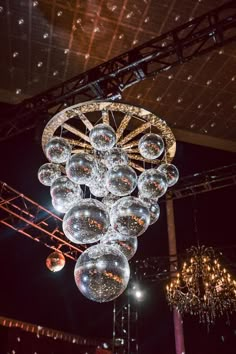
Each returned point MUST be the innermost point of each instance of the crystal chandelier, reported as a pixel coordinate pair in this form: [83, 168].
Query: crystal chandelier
[109, 163]
[203, 287]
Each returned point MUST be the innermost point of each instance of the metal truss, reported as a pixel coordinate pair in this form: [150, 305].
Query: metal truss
[204, 182]
[40, 331]
[125, 328]
[30, 219]
[108, 80]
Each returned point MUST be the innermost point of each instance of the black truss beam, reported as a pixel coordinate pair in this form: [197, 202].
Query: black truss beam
[108, 80]
[203, 182]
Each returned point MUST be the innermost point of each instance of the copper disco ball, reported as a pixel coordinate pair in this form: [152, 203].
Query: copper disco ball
[55, 261]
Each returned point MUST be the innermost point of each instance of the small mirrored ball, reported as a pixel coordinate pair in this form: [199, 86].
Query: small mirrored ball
[55, 261]
[102, 137]
[171, 172]
[152, 183]
[130, 216]
[109, 200]
[151, 146]
[102, 273]
[58, 150]
[121, 180]
[65, 194]
[126, 244]
[80, 167]
[86, 222]
[48, 173]
[153, 208]
[98, 188]
[116, 156]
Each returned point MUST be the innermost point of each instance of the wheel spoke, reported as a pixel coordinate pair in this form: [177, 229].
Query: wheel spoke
[76, 132]
[140, 158]
[84, 119]
[123, 125]
[105, 117]
[136, 132]
[136, 167]
[74, 142]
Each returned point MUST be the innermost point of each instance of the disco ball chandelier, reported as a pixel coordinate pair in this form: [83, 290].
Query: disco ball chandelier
[109, 163]
[203, 287]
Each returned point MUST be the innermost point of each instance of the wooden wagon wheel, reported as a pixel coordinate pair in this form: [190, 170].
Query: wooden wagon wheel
[130, 122]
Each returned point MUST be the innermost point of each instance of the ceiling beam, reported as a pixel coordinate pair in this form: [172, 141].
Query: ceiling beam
[108, 80]
[187, 136]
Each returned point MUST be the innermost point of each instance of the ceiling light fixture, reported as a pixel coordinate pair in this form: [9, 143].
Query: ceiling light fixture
[93, 177]
[203, 287]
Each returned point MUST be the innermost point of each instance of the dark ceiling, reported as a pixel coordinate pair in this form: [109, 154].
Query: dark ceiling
[46, 42]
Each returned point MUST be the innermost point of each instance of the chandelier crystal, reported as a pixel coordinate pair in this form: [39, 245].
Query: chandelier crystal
[203, 287]
[105, 178]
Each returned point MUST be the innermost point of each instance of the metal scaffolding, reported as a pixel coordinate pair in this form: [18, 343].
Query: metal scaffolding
[30, 219]
[108, 80]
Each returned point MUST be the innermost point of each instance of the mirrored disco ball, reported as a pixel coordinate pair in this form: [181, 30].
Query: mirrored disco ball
[58, 150]
[171, 172]
[98, 188]
[86, 222]
[48, 173]
[79, 168]
[109, 200]
[153, 208]
[152, 183]
[97, 184]
[121, 180]
[65, 194]
[126, 244]
[55, 261]
[130, 216]
[151, 146]
[102, 137]
[116, 156]
[102, 273]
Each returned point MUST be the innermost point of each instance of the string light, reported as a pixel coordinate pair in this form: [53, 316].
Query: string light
[203, 287]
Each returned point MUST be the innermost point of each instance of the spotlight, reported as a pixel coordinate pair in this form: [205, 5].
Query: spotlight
[138, 294]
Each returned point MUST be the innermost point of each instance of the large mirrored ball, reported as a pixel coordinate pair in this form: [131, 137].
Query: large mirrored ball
[58, 150]
[65, 194]
[102, 137]
[102, 273]
[151, 146]
[79, 168]
[86, 222]
[48, 173]
[130, 216]
[152, 183]
[55, 261]
[126, 244]
[109, 200]
[121, 180]
[153, 208]
[171, 172]
[116, 156]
